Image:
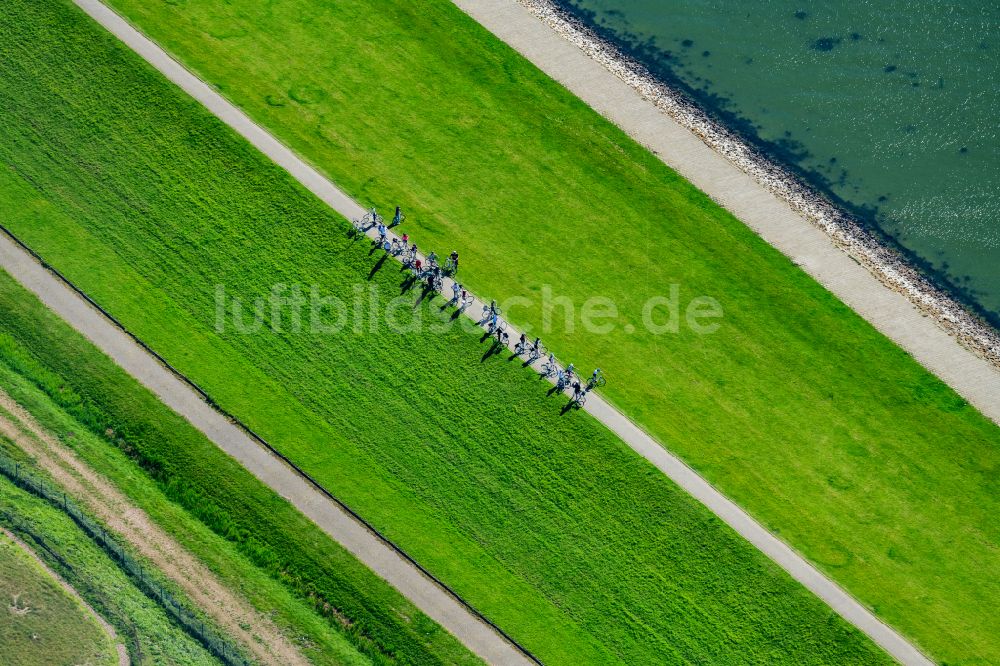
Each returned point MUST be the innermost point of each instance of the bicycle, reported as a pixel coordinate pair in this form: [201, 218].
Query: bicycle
[549, 368]
[372, 218]
[562, 381]
[597, 382]
[360, 227]
[535, 352]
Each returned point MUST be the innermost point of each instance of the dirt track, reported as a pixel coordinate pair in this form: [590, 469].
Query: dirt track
[261, 636]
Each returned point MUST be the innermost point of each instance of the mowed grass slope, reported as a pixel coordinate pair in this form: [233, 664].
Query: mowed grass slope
[546, 523]
[328, 629]
[796, 408]
[141, 623]
[43, 624]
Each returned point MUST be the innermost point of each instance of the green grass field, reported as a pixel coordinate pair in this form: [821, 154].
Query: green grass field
[142, 625]
[256, 543]
[546, 523]
[795, 408]
[43, 624]
[321, 641]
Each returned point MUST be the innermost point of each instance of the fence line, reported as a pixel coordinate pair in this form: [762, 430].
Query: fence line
[250, 432]
[212, 640]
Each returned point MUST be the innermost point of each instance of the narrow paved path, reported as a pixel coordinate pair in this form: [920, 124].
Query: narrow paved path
[433, 600]
[974, 378]
[357, 538]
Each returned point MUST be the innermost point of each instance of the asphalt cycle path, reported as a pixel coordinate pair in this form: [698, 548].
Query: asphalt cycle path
[426, 593]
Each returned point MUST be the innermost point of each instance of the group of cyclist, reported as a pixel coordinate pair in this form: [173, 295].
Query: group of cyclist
[532, 351]
[427, 270]
[433, 274]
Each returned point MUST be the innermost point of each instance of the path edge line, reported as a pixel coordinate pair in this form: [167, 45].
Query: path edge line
[269, 448]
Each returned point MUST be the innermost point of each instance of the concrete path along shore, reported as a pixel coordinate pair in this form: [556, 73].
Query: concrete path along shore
[402, 574]
[974, 378]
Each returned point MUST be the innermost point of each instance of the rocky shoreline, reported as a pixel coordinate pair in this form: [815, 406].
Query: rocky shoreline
[884, 262]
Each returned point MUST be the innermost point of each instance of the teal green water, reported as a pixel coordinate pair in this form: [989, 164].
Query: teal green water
[890, 106]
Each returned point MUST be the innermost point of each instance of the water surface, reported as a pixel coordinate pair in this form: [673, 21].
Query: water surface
[890, 107]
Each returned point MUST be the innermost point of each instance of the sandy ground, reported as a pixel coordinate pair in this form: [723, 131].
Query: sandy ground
[261, 637]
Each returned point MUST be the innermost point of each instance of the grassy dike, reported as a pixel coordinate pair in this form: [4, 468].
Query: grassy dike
[235, 555]
[796, 408]
[546, 523]
[52, 624]
[142, 625]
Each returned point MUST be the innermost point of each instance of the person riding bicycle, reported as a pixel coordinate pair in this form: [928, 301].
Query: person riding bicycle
[578, 392]
[432, 259]
[536, 349]
[570, 370]
[561, 380]
[594, 378]
[522, 344]
[397, 219]
[453, 258]
[489, 312]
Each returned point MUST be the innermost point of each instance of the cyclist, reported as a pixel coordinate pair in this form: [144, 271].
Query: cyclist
[417, 267]
[522, 345]
[397, 219]
[456, 293]
[578, 391]
[561, 380]
[594, 378]
[453, 260]
[569, 370]
[489, 313]
[432, 259]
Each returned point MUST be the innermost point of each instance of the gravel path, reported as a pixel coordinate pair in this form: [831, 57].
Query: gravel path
[806, 244]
